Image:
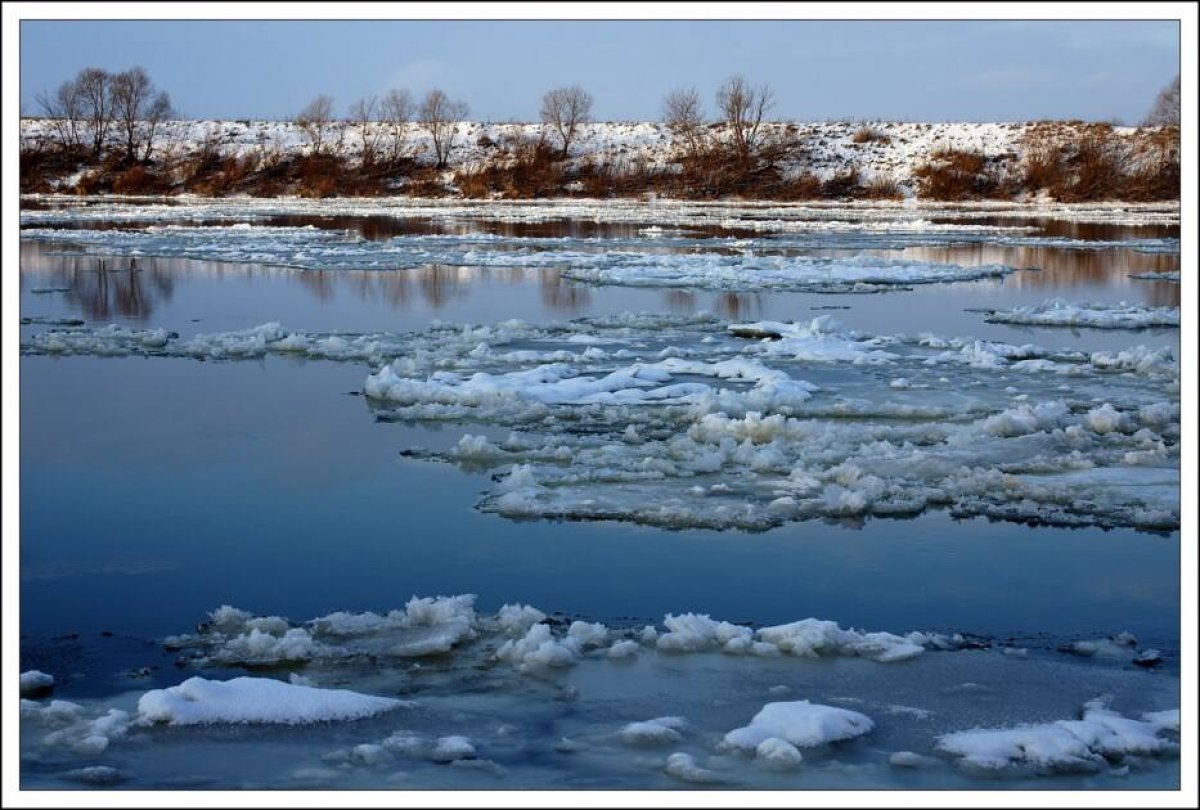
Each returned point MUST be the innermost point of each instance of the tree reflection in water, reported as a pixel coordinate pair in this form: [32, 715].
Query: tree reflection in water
[563, 295]
[107, 288]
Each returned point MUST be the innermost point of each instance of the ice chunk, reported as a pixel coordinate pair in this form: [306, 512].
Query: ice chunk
[691, 632]
[779, 754]
[539, 649]
[588, 634]
[800, 723]
[659, 731]
[370, 754]
[256, 700]
[685, 768]
[515, 620]
[35, 682]
[626, 648]
[450, 749]
[1064, 745]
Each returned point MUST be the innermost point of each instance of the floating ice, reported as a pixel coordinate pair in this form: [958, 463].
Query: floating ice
[685, 768]
[679, 422]
[1086, 744]
[1151, 276]
[1058, 312]
[35, 681]
[800, 723]
[659, 731]
[765, 217]
[779, 754]
[197, 701]
[451, 749]
[539, 649]
[727, 273]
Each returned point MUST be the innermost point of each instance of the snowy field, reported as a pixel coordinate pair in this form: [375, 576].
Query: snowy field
[1015, 365]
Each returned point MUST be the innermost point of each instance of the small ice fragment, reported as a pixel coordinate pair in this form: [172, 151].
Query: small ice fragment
[659, 731]
[778, 754]
[449, 749]
[909, 759]
[683, 767]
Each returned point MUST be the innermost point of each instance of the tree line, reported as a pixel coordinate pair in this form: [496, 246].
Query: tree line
[95, 104]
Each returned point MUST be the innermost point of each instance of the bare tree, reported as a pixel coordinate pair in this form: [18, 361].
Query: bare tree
[364, 117]
[397, 110]
[65, 109]
[743, 108]
[1165, 111]
[565, 108]
[314, 119]
[684, 118]
[96, 98]
[160, 110]
[440, 116]
[138, 109]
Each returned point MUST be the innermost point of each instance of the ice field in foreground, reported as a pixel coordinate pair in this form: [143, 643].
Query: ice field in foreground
[693, 422]
[518, 698]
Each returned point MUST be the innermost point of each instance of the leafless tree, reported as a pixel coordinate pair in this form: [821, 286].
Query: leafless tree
[565, 108]
[440, 116]
[684, 117]
[364, 117]
[1165, 111]
[314, 119]
[160, 110]
[65, 109]
[397, 111]
[138, 109]
[742, 108]
[95, 94]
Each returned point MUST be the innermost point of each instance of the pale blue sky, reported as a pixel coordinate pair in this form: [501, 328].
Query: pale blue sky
[969, 71]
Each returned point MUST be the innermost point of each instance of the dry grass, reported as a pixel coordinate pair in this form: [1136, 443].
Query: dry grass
[866, 134]
[955, 174]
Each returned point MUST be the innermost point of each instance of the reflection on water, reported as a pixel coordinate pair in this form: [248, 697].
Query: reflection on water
[173, 292]
[562, 295]
[104, 289]
[1060, 270]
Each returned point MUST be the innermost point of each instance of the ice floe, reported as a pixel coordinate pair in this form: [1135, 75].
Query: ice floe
[1058, 312]
[198, 701]
[764, 217]
[1098, 737]
[800, 723]
[686, 422]
[716, 267]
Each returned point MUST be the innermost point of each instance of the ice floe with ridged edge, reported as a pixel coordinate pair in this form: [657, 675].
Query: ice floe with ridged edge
[1100, 736]
[631, 418]
[425, 627]
[1059, 312]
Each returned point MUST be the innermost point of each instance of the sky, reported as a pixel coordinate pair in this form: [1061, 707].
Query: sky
[818, 70]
